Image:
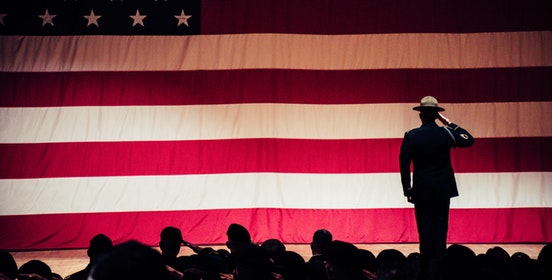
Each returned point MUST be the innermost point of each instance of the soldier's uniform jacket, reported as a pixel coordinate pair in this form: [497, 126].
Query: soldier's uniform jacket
[428, 149]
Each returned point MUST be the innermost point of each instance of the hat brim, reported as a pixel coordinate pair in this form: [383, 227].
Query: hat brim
[428, 108]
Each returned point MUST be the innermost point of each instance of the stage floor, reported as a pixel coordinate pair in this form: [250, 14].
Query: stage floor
[65, 262]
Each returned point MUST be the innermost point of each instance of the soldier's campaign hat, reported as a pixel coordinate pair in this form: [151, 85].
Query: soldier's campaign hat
[429, 103]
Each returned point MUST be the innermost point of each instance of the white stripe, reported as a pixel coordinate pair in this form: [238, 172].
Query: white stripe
[284, 51]
[248, 190]
[358, 121]
[504, 190]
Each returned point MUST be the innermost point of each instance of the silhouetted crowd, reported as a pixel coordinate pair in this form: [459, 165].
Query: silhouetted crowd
[244, 260]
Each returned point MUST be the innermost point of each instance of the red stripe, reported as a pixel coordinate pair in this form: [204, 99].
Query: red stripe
[44, 160]
[291, 226]
[274, 86]
[357, 17]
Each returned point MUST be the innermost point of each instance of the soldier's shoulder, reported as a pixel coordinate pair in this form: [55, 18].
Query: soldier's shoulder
[412, 130]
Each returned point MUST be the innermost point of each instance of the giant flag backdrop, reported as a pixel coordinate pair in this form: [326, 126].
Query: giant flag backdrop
[122, 117]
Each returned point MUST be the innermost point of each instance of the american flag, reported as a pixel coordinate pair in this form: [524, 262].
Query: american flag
[122, 117]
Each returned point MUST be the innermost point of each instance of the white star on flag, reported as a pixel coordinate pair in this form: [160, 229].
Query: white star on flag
[182, 18]
[138, 19]
[47, 18]
[92, 19]
[2, 18]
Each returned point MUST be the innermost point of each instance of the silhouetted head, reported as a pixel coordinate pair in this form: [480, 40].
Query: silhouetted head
[238, 237]
[238, 233]
[321, 241]
[171, 240]
[498, 256]
[429, 109]
[129, 260]
[545, 255]
[460, 261]
[8, 266]
[368, 260]
[35, 267]
[98, 244]
[428, 115]
[343, 261]
[273, 247]
[290, 265]
[391, 264]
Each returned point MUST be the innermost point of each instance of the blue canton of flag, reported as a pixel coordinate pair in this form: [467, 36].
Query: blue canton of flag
[107, 17]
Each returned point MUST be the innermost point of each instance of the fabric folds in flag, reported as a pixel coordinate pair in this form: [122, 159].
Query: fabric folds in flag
[123, 117]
